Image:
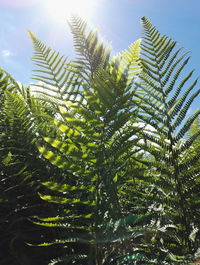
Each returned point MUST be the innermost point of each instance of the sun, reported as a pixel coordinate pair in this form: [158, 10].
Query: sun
[63, 9]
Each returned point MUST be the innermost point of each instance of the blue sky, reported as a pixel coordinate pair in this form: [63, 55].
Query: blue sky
[117, 20]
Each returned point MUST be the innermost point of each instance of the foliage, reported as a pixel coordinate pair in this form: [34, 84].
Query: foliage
[21, 171]
[166, 97]
[94, 144]
[102, 158]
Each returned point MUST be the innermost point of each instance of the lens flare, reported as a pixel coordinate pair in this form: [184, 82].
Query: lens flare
[63, 9]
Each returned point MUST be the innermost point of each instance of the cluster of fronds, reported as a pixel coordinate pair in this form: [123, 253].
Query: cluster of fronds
[107, 144]
[165, 97]
[94, 144]
[21, 171]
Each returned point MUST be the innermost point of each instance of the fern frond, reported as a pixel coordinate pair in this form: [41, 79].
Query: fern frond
[165, 98]
[127, 63]
[52, 75]
[92, 54]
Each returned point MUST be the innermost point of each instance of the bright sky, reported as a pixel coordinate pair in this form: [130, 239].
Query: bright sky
[117, 21]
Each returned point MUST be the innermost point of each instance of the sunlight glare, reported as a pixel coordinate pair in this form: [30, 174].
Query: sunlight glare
[63, 9]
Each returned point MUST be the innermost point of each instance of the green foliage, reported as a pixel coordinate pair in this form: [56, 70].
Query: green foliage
[94, 144]
[166, 96]
[100, 164]
[21, 171]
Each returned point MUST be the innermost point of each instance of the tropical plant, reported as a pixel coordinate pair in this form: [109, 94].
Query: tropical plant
[21, 171]
[94, 146]
[165, 96]
[101, 156]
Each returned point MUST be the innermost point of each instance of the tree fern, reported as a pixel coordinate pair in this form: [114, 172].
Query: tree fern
[103, 160]
[21, 168]
[94, 144]
[166, 97]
